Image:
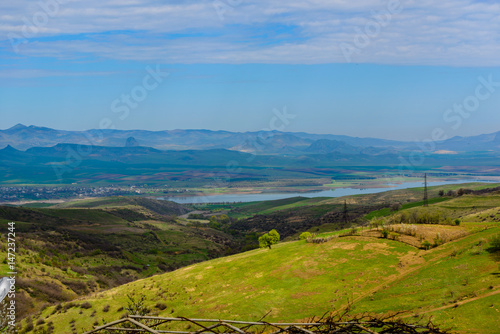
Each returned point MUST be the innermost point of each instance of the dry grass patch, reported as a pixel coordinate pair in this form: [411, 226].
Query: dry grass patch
[342, 245]
[416, 234]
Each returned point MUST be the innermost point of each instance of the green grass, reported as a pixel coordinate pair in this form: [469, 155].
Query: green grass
[387, 211]
[88, 215]
[56, 241]
[295, 281]
[38, 205]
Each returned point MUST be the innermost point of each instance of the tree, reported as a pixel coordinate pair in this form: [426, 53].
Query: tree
[304, 235]
[396, 206]
[270, 238]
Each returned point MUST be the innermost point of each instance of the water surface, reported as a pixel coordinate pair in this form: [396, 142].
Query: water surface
[339, 192]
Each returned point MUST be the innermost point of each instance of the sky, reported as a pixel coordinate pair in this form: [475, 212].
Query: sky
[395, 69]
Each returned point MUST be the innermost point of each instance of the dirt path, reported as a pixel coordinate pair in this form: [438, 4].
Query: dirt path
[401, 275]
[456, 304]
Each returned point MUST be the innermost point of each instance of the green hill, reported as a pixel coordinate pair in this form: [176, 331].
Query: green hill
[456, 282]
[80, 248]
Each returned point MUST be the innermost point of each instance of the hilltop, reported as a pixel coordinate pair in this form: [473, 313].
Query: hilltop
[455, 280]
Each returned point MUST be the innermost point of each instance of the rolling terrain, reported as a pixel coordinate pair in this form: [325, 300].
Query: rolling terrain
[455, 279]
[78, 248]
[207, 159]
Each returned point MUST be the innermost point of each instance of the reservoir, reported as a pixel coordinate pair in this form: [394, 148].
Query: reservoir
[338, 192]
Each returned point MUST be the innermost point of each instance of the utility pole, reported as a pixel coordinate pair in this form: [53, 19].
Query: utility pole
[346, 220]
[426, 198]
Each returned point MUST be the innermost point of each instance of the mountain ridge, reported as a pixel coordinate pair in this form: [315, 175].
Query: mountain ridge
[22, 137]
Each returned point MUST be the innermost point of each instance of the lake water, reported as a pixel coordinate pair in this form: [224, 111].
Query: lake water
[218, 198]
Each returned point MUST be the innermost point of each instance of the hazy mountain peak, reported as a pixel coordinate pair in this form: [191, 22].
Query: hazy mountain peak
[9, 148]
[131, 142]
[16, 127]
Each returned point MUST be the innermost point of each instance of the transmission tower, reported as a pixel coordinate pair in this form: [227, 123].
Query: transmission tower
[426, 198]
[346, 218]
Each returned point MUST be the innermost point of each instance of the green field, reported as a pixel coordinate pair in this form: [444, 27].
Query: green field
[457, 283]
[66, 253]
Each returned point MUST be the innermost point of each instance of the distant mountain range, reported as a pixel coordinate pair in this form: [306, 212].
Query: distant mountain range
[35, 155]
[23, 137]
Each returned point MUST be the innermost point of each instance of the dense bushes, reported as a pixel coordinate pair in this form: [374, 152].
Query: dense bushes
[421, 216]
[495, 243]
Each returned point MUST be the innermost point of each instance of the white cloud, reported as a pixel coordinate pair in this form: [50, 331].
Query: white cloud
[425, 32]
[37, 73]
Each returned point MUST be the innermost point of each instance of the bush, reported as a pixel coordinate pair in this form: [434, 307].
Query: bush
[457, 221]
[394, 236]
[437, 240]
[161, 306]
[385, 233]
[86, 305]
[495, 243]
[426, 245]
[396, 206]
[305, 235]
[268, 239]
[321, 240]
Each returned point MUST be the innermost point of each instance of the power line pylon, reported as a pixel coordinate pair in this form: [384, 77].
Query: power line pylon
[426, 198]
[346, 218]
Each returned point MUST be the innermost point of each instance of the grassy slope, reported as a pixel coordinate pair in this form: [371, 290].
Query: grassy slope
[407, 197]
[66, 253]
[298, 280]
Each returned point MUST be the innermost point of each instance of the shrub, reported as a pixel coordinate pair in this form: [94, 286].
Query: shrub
[495, 243]
[136, 307]
[268, 239]
[437, 240]
[385, 233]
[396, 206]
[457, 221]
[96, 252]
[321, 240]
[29, 326]
[161, 306]
[305, 235]
[86, 305]
[426, 245]
[394, 236]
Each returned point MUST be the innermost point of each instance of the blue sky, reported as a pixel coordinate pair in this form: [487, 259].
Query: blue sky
[388, 69]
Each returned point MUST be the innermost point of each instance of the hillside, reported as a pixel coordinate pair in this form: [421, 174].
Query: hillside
[82, 247]
[456, 281]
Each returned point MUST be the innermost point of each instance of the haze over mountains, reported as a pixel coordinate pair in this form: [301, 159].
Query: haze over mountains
[23, 137]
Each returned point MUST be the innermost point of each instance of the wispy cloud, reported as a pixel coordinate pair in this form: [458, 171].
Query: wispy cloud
[36, 73]
[424, 32]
